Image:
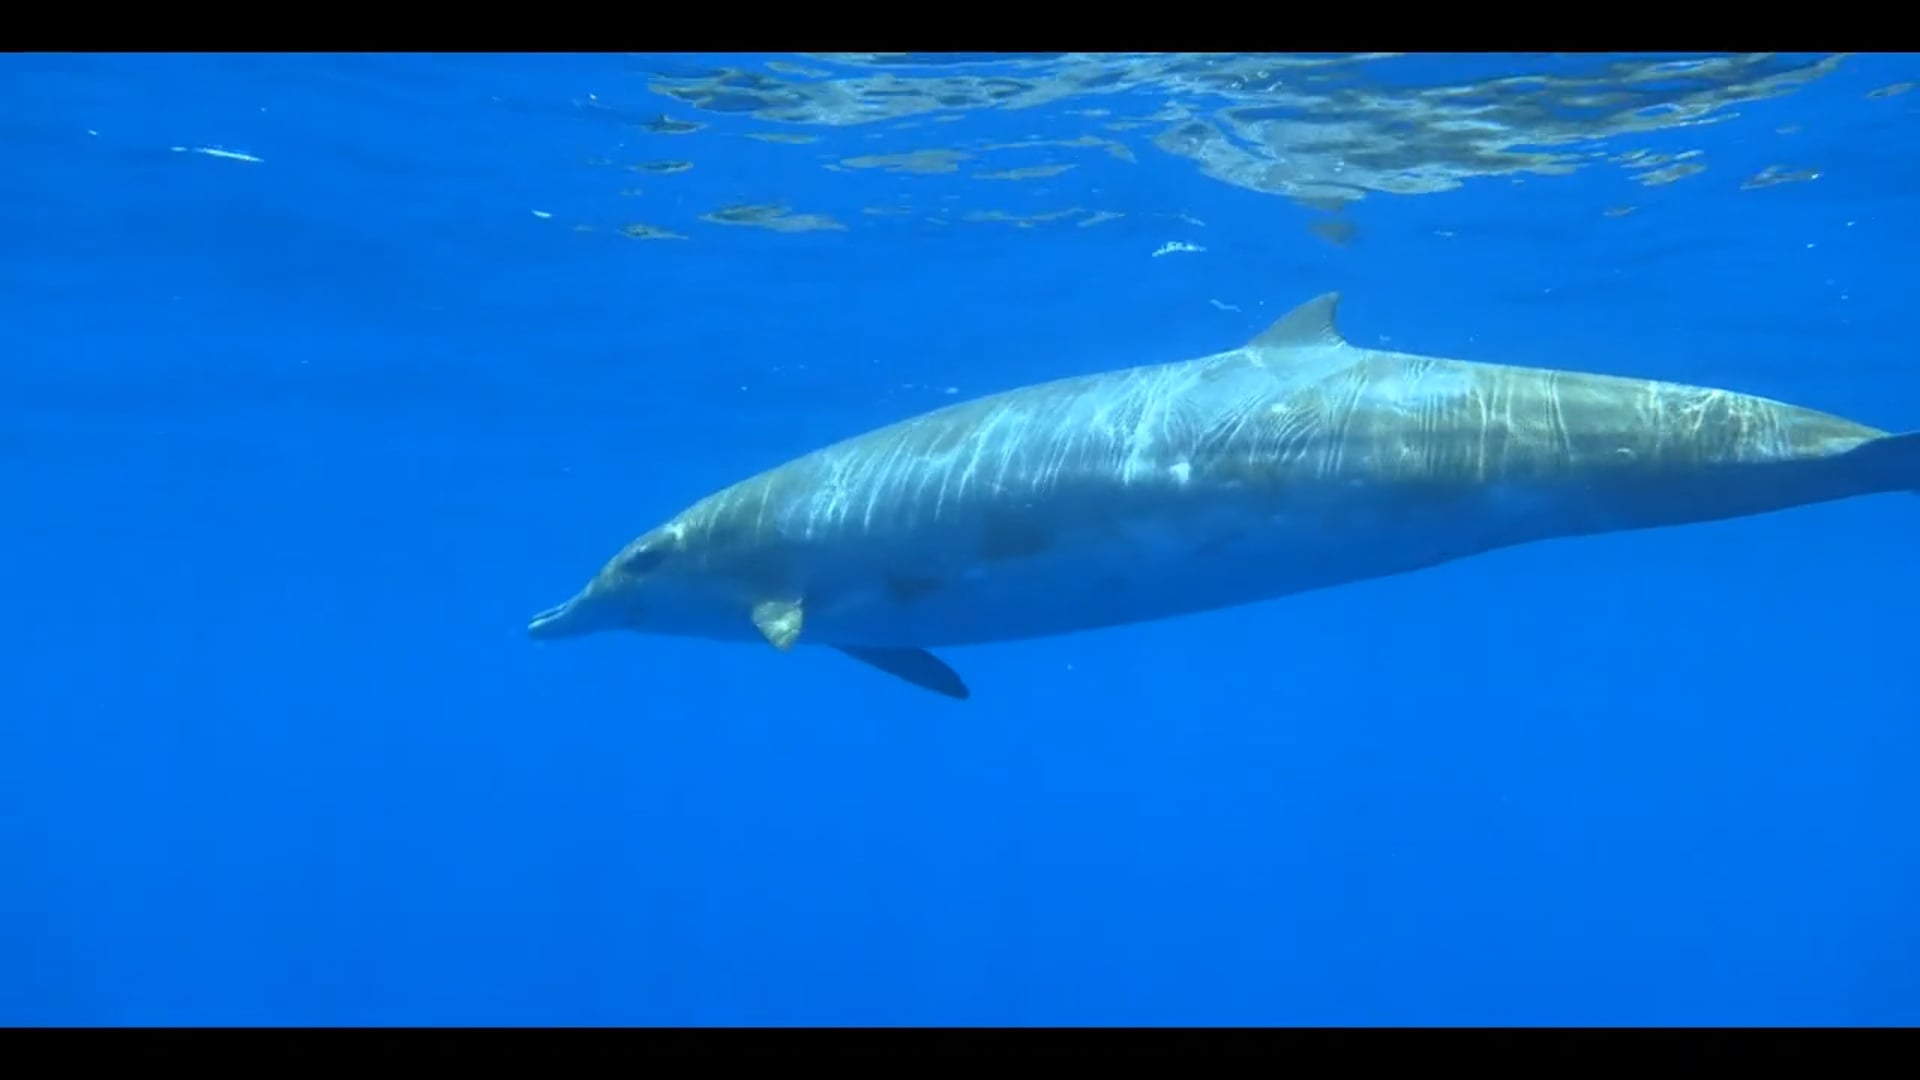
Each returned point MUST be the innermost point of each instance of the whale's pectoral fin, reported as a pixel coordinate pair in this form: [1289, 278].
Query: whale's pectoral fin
[917, 666]
[779, 621]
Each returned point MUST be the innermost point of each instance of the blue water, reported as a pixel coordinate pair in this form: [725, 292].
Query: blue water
[293, 443]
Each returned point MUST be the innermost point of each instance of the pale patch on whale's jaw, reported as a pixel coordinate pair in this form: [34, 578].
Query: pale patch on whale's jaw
[554, 624]
[585, 614]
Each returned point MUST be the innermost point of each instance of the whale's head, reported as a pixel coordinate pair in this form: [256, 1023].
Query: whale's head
[655, 585]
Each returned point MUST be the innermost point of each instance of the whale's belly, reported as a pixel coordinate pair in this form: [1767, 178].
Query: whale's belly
[1152, 563]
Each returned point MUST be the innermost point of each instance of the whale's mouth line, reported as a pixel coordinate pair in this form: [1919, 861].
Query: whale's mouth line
[550, 623]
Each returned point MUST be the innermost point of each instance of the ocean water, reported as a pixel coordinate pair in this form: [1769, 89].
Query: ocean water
[323, 373]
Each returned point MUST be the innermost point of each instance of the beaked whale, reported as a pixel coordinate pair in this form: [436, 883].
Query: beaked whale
[1297, 461]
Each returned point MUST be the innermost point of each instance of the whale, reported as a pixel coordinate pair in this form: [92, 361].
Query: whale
[1295, 461]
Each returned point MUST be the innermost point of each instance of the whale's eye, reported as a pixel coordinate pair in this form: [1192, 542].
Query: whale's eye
[643, 562]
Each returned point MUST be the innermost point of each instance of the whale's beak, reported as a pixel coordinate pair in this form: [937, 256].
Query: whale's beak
[588, 612]
[550, 624]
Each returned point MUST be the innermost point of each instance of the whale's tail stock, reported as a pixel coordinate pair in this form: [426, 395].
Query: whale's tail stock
[1888, 463]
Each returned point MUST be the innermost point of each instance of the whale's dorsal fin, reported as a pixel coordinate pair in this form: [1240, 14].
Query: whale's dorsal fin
[1312, 323]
